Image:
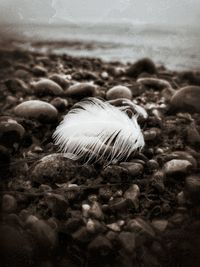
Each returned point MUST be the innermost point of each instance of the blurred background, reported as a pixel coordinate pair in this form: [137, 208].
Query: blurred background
[122, 30]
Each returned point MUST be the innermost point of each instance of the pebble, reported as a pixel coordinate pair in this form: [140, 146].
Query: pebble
[134, 169]
[60, 104]
[127, 241]
[144, 65]
[22, 74]
[160, 224]
[133, 194]
[45, 87]
[114, 173]
[82, 235]
[181, 198]
[183, 155]
[95, 211]
[158, 84]
[119, 91]
[118, 204]
[11, 131]
[175, 166]
[157, 181]
[105, 193]
[192, 188]
[9, 203]
[152, 134]
[55, 168]
[94, 226]
[57, 204]
[61, 80]
[186, 99]
[81, 90]
[36, 109]
[116, 226]
[39, 71]
[138, 225]
[16, 85]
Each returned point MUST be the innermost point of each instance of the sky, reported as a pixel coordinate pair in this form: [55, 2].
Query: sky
[169, 12]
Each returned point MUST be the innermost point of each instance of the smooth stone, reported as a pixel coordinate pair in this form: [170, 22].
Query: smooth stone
[192, 187]
[158, 84]
[119, 205]
[116, 226]
[81, 90]
[138, 225]
[183, 155]
[134, 169]
[95, 227]
[47, 87]
[10, 131]
[39, 71]
[16, 85]
[128, 241]
[60, 104]
[61, 80]
[119, 91]
[143, 65]
[9, 203]
[36, 109]
[175, 166]
[152, 134]
[55, 168]
[160, 225]
[133, 194]
[186, 99]
[57, 204]
[23, 74]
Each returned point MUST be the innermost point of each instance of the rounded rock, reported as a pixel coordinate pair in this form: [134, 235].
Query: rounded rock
[175, 166]
[186, 99]
[158, 84]
[81, 90]
[16, 85]
[9, 203]
[36, 109]
[60, 79]
[143, 65]
[60, 103]
[119, 91]
[47, 87]
[39, 71]
[10, 131]
[134, 169]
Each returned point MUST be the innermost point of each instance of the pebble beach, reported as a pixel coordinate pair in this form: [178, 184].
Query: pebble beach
[57, 212]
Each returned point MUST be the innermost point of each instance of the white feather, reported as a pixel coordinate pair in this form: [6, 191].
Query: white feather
[94, 129]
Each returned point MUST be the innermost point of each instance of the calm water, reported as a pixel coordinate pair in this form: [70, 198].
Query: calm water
[177, 48]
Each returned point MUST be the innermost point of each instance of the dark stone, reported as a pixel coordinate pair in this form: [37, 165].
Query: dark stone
[140, 66]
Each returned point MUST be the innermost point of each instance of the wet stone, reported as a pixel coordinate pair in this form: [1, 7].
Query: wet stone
[36, 109]
[175, 166]
[81, 90]
[186, 99]
[143, 65]
[158, 84]
[47, 87]
[119, 91]
[11, 131]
